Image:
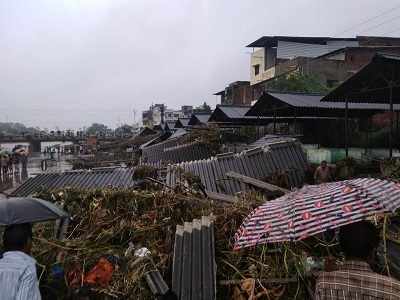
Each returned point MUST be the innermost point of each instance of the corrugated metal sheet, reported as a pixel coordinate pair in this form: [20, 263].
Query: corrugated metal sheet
[182, 122]
[270, 138]
[156, 283]
[199, 119]
[290, 50]
[233, 112]
[194, 267]
[180, 132]
[272, 41]
[274, 157]
[116, 178]
[312, 100]
[174, 150]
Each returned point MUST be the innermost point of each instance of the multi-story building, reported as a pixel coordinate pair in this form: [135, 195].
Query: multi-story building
[153, 116]
[158, 113]
[329, 60]
[277, 55]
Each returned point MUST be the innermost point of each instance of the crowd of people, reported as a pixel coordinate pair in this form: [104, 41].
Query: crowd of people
[12, 163]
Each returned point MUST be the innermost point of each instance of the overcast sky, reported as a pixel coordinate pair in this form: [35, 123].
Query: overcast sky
[70, 63]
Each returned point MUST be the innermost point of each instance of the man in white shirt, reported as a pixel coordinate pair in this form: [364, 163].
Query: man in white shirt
[18, 278]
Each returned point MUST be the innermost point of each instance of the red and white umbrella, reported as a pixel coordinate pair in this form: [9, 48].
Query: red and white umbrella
[317, 208]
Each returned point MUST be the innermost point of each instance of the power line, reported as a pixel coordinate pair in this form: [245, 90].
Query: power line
[368, 20]
[391, 31]
[382, 23]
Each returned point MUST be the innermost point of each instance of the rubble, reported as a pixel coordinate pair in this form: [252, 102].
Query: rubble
[108, 226]
[120, 241]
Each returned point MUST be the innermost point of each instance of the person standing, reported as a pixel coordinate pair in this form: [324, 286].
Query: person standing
[355, 278]
[322, 173]
[18, 278]
[24, 161]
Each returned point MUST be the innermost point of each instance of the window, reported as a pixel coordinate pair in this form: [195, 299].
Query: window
[269, 58]
[256, 69]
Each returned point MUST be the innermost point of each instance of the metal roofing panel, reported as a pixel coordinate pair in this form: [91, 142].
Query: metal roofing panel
[184, 121]
[233, 112]
[81, 179]
[290, 49]
[194, 269]
[314, 101]
[203, 118]
[276, 156]
[272, 41]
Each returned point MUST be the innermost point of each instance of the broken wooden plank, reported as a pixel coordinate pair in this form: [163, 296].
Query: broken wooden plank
[257, 183]
[221, 197]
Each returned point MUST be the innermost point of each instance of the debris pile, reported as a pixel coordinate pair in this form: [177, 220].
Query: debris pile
[116, 237]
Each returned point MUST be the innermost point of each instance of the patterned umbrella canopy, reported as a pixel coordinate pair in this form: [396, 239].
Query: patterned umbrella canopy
[317, 208]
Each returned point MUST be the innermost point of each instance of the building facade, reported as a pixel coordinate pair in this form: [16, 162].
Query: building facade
[277, 55]
[159, 113]
[153, 116]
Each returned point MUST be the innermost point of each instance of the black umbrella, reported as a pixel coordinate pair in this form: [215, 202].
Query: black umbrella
[28, 210]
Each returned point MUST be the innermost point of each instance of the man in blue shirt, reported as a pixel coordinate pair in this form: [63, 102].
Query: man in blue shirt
[18, 278]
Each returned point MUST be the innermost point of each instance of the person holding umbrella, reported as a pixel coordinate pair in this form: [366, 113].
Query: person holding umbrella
[18, 278]
[355, 278]
[317, 209]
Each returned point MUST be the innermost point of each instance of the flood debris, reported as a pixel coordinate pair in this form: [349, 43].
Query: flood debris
[116, 237]
[174, 235]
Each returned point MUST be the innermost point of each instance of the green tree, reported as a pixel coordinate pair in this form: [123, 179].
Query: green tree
[297, 82]
[97, 128]
[204, 108]
[10, 128]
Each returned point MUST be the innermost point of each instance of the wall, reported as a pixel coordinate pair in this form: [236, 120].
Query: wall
[290, 50]
[257, 58]
[286, 52]
[340, 67]
[238, 93]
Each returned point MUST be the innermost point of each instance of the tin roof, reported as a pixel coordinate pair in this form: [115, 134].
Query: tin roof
[199, 119]
[314, 101]
[271, 139]
[182, 122]
[269, 159]
[230, 111]
[269, 101]
[92, 179]
[272, 41]
[230, 115]
[175, 149]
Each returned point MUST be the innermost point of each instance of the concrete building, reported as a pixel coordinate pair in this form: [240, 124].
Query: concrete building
[153, 116]
[277, 55]
[159, 113]
[236, 93]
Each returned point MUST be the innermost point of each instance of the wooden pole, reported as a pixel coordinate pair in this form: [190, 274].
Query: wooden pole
[391, 121]
[346, 127]
[397, 128]
[368, 133]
